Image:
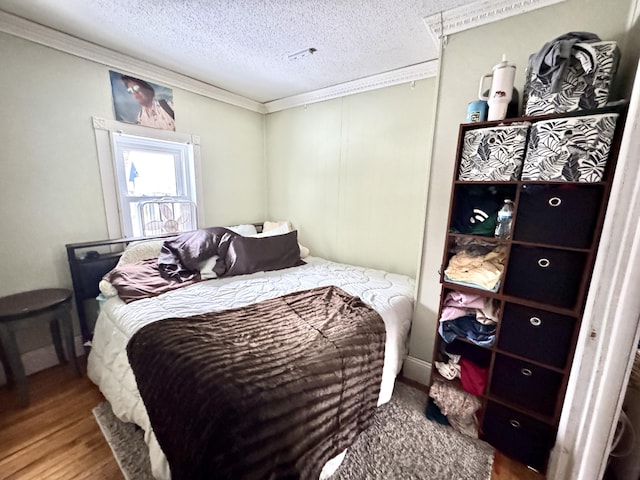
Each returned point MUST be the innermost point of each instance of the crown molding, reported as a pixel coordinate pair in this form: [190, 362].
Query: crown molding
[387, 79]
[20, 27]
[439, 25]
[479, 13]
[63, 42]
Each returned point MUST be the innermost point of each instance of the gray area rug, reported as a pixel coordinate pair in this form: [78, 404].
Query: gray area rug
[127, 443]
[400, 444]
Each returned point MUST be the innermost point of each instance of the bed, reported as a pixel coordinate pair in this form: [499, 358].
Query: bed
[390, 295]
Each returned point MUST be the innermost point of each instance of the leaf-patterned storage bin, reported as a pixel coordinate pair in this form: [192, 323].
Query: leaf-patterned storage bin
[585, 85]
[493, 154]
[569, 149]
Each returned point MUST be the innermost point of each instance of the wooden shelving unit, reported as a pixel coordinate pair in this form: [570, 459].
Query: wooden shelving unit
[541, 296]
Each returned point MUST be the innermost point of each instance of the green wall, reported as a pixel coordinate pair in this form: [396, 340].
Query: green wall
[50, 187]
[350, 173]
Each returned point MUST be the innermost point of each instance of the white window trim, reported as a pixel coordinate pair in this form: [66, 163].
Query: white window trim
[104, 128]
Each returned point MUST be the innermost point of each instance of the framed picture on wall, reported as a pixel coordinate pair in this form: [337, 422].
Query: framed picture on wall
[141, 102]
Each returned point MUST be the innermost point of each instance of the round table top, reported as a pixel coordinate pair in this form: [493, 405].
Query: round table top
[28, 303]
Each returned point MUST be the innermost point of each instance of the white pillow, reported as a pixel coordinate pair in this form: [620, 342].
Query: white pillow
[206, 268]
[142, 250]
[266, 226]
[279, 230]
[304, 251]
[244, 230]
[107, 289]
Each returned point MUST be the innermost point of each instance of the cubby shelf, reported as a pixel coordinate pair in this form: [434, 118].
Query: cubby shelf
[541, 295]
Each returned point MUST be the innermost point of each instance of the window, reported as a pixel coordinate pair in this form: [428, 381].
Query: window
[150, 179]
[156, 185]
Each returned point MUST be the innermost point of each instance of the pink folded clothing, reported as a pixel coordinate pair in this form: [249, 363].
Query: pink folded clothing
[458, 304]
[460, 299]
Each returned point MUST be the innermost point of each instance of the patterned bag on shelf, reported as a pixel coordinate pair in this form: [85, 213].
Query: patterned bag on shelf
[585, 85]
[493, 154]
[572, 149]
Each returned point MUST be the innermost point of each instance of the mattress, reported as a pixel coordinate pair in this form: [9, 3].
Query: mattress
[108, 367]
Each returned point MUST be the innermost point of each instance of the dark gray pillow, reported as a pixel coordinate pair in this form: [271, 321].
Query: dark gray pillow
[242, 255]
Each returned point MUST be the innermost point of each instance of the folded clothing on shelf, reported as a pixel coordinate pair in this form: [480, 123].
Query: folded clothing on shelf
[468, 327]
[460, 407]
[473, 378]
[459, 304]
[481, 271]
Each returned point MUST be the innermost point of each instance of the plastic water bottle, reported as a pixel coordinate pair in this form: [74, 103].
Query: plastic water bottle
[505, 214]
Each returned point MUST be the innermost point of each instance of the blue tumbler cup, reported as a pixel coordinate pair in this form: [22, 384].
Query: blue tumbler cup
[477, 111]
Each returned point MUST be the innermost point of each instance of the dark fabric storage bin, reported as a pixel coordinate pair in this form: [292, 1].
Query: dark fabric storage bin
[494, 153]
[574, 149]
[545, 275]
[520, 437]
[525, 384]
[536, 334]
[563, 215]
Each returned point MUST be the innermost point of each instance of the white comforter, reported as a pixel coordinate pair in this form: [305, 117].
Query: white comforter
[108, 366]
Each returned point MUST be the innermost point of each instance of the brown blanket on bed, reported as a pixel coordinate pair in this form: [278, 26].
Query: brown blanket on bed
[271, 390]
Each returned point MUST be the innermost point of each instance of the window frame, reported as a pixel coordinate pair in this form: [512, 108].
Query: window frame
[104, 131]
[184, 173]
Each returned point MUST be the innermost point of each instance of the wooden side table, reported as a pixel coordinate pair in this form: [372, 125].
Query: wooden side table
[25, 309]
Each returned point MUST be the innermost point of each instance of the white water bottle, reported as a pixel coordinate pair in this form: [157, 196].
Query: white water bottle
[505, 215]
[502, 78]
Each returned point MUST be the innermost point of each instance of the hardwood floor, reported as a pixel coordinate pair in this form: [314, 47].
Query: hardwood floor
[506, 469]
[57, 438]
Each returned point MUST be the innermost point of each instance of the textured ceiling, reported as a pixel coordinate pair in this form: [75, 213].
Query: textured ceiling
[243, 45]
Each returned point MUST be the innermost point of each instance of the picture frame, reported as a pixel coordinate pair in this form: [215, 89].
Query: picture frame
[142, 102]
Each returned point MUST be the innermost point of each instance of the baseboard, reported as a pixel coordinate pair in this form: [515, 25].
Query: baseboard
[41, 359]
[417, 370]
